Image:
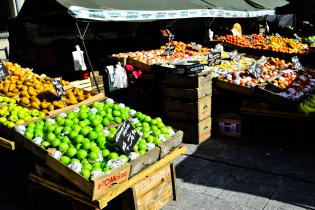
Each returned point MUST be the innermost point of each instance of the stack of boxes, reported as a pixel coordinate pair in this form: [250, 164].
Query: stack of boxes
[187, 105]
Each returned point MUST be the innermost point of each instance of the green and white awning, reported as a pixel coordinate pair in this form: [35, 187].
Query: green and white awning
[147, 15]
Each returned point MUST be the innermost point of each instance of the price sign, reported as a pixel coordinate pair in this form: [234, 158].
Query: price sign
[255, 69]
[214, 59]
[170, 49]
[234, 55]
[296, 63]
[126, 137]
[250, 39]
[59, 88]
[3, 71]
[268, 40]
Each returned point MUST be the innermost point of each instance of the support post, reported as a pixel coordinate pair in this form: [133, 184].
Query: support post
[86, 53]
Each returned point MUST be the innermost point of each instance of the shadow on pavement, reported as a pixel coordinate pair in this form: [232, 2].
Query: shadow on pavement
[230, 174]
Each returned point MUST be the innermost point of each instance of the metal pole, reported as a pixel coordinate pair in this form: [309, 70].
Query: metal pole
[87, 55]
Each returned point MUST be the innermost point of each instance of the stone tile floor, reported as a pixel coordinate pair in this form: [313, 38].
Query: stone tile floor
[227, 175]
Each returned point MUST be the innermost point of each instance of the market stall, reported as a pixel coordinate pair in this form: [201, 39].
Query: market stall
[102, 146]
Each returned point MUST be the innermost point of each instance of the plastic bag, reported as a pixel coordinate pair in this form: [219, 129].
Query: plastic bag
[78, 59]
[120, 79]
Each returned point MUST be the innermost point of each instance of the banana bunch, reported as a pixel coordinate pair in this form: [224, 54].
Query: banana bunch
[308, 105]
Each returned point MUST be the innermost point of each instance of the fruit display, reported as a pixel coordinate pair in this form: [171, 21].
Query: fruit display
[273, 43]
[239, 78]
[182, 52]
[301, 86]
[83, 138]
[14, 114]
[36, 91]
[271, 68]
[229, 66]
[285, 80]
[310, 40]
[6, 101]
[308, 105]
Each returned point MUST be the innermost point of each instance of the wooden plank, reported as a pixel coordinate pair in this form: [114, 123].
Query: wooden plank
[157, 198]
[193, 94]
[144, 161]
[5, 143]
[97, 97]
[153, 180]
[188, 111]
[62, 189]
[173, 174]
[172, 143]
[188, 81]
[118, 189]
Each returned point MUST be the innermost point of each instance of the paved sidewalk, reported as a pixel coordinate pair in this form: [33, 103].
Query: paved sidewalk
[223, 175]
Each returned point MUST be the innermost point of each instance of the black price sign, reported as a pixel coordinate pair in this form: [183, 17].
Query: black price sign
[169, 50]
[256, 70]
[58, 87]
[250, 39]
[3, 71]
[268, 40]
[234, 56]
[296, 63]
[214, 59]
[126, 137]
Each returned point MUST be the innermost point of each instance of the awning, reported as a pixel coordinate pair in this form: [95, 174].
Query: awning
[148, 10]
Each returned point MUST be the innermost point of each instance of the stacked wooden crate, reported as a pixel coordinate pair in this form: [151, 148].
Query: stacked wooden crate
[187, 105]
[89, 83]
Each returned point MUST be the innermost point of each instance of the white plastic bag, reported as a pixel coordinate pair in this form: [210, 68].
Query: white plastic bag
[78, 59]
[120, 79]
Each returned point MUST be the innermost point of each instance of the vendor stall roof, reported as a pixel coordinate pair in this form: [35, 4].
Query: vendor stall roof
[148, 10]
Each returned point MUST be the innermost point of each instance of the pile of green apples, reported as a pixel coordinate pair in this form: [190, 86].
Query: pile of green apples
[83, 137]
[13, 114]
[6, 100]
[153, 132]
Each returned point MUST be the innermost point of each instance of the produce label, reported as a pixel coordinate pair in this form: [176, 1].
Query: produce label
[214, 59]
[3, 71]
[296, 63]
[126, 137]
[250, 39]
[256, 70]
[59, 88]
[268, 40]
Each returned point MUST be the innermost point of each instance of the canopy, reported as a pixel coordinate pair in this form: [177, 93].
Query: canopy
[148, 10]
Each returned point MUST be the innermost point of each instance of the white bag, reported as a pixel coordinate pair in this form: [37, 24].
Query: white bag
[78, 59]
[120, 79]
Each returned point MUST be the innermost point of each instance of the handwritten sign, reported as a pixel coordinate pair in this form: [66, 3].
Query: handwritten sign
[268, 40]
[214, 59]
[255, 69]
[126, 137]
[170, 49]
[58, 87]
[3, 71]
[250, 39]
[296, 63]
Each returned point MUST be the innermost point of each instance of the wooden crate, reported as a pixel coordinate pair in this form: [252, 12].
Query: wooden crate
[5, 143]
[188, 111]
[172, 143]
[188, 81]
[156, 190]
[195, 133]
[192, 94]
[95, 97]
[93, 188]
[229, 126]
[144, 161]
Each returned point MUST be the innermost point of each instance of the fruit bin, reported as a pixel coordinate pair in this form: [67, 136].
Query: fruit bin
[94, 188]
[234, 88]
